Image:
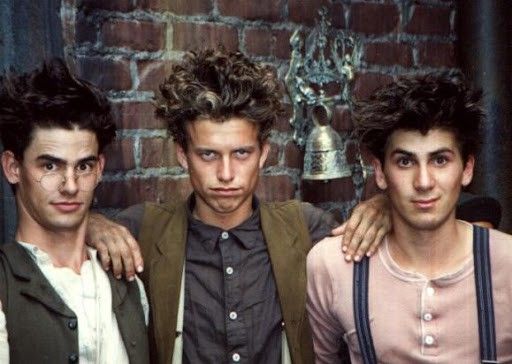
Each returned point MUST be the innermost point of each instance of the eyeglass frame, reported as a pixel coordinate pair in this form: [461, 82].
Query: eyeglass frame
[76, 175]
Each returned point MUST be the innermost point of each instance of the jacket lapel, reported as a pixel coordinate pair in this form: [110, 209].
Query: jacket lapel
[35, 284]
[289, 266]
[164, 285]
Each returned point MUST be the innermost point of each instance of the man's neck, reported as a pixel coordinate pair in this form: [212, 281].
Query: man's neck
[65, 248]
[432, 253]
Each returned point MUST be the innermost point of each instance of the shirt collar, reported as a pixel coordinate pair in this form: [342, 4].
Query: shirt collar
[246, 233]
[42, 258]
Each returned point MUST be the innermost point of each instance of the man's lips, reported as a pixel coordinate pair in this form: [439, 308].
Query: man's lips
[223, 191]
[425, 203]
[67, 206]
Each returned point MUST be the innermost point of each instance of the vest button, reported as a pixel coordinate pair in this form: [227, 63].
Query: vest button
[73, 358]
[72, 324]
[133, 343]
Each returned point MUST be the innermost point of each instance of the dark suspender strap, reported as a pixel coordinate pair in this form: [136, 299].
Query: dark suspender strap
[485, 303]
[361, 314]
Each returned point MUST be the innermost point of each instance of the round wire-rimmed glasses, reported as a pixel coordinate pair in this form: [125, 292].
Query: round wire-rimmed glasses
[53, 181]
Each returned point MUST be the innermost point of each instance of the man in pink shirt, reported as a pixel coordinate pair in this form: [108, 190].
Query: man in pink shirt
[439, 289]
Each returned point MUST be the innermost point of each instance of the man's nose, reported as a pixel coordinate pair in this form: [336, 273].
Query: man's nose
[225, 171]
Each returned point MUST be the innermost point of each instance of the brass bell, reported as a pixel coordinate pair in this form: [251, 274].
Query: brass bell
[324, 157]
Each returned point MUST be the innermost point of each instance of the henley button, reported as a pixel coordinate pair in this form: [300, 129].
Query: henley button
[429, 340]
[224, 235]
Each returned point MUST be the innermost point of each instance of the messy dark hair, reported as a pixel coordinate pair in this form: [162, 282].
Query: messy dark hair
[50, 97]
[218, 86]
[421, 103]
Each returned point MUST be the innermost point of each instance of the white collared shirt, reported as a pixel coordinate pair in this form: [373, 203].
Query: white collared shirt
[88, 295]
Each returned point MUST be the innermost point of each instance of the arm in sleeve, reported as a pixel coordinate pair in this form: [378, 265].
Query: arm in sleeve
[131, 218]
[320, 222]
[327, 331]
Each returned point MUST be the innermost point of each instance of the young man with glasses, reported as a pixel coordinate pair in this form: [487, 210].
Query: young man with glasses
[59, 304]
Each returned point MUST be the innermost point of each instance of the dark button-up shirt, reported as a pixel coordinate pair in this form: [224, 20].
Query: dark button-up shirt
[232, 311]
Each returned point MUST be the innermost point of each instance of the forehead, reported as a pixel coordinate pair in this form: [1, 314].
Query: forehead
[62, 143]
[414, 142]
[232, 132]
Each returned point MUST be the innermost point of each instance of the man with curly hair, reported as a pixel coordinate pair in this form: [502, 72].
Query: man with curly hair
[59, 304]
[226, 272]
[438, 290]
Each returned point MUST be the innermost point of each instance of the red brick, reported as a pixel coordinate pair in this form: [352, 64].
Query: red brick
[194, 36]
[107, 74]
[283, 122]
[86, 30]
[370, 187]
[158, 152]
[429, 20]
[114, 5]
[136, 115]
[366, 83]
[339, 189]
[282, 47]
[181, 7]
[139, 35]
[374, 18]
[152, 74]
[293, 155]
[273, 156]
[173, 189]
[352, 152]
[389, 54]
[342, 119]
[258, 41]
[271, 10]
[119, 155]
[436, 54]
[121, 194]
[275, 188]
[306, 12]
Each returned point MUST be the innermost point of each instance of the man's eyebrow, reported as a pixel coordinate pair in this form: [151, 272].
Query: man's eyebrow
[411, 154]
[56, 160]
[402, 151]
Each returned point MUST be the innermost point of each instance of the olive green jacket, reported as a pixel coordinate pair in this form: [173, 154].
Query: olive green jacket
[162, 238]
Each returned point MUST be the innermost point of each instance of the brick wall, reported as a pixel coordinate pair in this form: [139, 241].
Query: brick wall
[126, 47]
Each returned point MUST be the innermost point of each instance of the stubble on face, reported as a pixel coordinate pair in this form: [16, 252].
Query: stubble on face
[223, 160]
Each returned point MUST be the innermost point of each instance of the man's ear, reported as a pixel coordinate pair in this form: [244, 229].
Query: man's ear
[380, 178]
[467, 173]
[101, 166]
[11, 167]
[181, 156]
[265, 149]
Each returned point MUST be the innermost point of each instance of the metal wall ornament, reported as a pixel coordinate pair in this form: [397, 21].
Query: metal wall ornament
[330, 56]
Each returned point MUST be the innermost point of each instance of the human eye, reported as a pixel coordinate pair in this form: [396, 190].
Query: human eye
[207, 155]
[404, 162]
[440, 160]
[49, 167]
[85, 167]
[242, 153]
